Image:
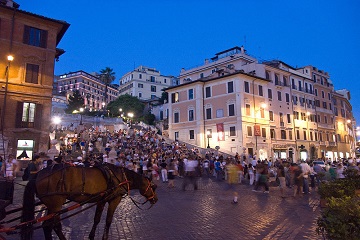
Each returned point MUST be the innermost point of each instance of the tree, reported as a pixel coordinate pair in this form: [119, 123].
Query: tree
[107, 75]
[128, 104]
[164, 97]
[75, 102]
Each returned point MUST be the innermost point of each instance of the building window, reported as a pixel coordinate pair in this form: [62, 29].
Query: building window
[279, 95]
[176, 117]
[247, 87]
[201, 75]
[304, 134]
[276, 79]
[140, 85]
[152, 79]
[230, 86]
[297, 134]
[262, 112]
[192, 134]
[231, 110]
[32, 73]
[285, 81]
[35, 37]
[311, 136]
[249, 131]
[288, 116]
[191, 94]
[208, 113]
[272, 133]
[283, 134]
[270, 93]
[290, 134]
[261, 90]
[153, 88]
[207, 92]
[191, 115]
[232, 131]
[174, 97]
[287, 97]
[247, 110]
[140, 76]
[271, 115]
[267, 75]
[28, 114]
[140, 95]
[263, 132]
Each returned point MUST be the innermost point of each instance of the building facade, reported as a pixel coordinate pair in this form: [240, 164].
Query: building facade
[25, 98]
[96, 94]
[145, 83]
[267, 109]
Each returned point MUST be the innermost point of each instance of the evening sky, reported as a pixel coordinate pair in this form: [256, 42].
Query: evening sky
[172, 34]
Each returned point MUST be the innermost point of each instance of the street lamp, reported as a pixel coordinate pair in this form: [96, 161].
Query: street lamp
[103, 104]
[208, 137]
[130, 115]
[120, 111]
[10, 58]
[56, 120]
[81, 111]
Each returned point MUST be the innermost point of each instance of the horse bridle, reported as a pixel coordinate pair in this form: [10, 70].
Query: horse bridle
[149, 187]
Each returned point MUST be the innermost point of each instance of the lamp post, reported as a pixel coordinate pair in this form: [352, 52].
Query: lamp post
[130, 115]
[81, 114]
[120, 111]
[208, 137]
[10, 58]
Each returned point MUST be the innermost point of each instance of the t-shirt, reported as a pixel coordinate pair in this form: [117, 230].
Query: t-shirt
[32, 168]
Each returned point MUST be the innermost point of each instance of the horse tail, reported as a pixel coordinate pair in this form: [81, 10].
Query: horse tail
[28, 209]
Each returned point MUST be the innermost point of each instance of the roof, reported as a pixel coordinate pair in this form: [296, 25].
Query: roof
[64, 24]
[216, 78]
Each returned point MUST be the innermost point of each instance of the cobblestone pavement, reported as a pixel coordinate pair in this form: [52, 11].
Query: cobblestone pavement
[206, 213]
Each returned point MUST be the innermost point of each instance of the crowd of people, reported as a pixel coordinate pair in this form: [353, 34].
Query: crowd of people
[144, 151]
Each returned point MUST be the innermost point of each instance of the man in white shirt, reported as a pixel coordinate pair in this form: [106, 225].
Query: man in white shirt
[305, 168]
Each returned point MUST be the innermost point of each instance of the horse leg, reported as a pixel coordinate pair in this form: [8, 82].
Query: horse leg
[109, 216]
[98, 212]
[58, 229]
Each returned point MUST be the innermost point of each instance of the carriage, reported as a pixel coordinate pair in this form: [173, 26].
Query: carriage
[61, 185]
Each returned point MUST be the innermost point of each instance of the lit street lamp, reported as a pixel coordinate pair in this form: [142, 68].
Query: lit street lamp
[56, 120]
[208, 137]
[130, 115]
[81, 111]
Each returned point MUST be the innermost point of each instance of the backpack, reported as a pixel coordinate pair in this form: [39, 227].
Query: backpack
[26, 175]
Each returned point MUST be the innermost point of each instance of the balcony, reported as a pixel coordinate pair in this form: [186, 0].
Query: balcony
[322, 143]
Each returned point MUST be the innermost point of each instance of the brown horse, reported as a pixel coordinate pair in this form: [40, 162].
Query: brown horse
[104, 184]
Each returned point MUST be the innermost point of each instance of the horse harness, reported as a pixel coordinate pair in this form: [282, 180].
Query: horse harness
[105, 170]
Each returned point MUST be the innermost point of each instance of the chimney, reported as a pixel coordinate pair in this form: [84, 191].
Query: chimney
[206, 61]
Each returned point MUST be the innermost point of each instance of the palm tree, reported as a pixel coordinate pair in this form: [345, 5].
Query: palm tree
[107, 75]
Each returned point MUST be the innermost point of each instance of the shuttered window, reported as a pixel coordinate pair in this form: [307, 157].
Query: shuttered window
[32, 73]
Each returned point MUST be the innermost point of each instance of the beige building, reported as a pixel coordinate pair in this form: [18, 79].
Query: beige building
[25, 97]
[95, 93]
[272, 109]
[144, 83]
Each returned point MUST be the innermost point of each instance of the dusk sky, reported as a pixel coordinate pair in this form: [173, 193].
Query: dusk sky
[170, 35]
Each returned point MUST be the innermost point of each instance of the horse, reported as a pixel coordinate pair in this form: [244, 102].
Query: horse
[59, 183]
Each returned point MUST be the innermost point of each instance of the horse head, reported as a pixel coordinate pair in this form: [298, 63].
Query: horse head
[147, 189]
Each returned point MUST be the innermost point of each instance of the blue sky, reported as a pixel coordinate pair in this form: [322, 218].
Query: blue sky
[169, 35]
